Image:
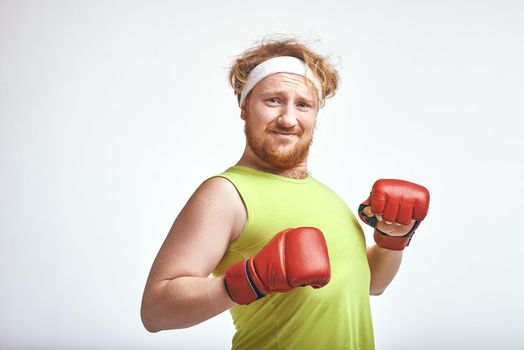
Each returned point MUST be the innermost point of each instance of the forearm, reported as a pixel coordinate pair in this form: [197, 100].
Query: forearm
[183, 302]
[384, 265]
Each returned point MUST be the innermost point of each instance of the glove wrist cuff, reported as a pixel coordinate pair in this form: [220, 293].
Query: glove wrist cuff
[392, 242]
[239, 284]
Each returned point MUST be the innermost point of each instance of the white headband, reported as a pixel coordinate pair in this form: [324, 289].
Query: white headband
[281, 64]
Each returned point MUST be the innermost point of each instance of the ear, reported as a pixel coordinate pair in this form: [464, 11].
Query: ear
[243, 112]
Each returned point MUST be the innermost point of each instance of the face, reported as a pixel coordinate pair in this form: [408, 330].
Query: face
[280, 114]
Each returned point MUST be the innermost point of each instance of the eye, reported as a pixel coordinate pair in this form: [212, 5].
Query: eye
[303, 105]
[273, 100]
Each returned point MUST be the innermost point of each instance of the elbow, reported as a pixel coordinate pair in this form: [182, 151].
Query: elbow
[153, 320]
[148, 315]
[148, 321]
[157, 315]
[153, 326]
[150, 328]
[376, 292]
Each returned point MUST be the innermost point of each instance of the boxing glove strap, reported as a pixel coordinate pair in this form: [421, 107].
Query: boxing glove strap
[394, 242]
[254, 279]
[240, 285]
[391, 242]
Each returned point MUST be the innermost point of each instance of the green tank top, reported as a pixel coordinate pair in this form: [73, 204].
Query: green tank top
[337, 316]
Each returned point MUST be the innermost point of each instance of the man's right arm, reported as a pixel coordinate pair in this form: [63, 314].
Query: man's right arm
[179, 292]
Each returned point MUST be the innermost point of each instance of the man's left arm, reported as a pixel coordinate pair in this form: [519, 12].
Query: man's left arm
[383, 264]
[395, 208]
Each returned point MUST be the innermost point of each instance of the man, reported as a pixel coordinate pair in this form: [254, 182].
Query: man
[289, 259]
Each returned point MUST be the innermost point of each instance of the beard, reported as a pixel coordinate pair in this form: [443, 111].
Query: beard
[281, 154]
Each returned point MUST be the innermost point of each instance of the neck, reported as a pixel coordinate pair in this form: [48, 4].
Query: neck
[250, 160]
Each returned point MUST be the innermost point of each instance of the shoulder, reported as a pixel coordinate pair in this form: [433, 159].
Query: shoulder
[217, 188]
[218, 191]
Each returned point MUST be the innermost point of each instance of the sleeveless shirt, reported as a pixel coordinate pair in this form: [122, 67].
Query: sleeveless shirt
[336, 316]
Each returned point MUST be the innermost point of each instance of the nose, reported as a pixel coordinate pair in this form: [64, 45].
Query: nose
[287, 118]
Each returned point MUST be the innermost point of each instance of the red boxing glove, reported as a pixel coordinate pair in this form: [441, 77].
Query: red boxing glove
[293, 258]
[397, 201]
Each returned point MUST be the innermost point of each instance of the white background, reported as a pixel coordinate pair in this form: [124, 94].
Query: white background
[113, 112]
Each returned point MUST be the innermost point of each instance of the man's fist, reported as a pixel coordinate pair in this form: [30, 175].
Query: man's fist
[293, 258]
[395, 209]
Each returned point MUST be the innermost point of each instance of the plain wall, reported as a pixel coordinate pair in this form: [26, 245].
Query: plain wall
[113, 112]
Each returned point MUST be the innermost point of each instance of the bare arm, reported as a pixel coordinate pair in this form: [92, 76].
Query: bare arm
[179, 292]
[384, 265]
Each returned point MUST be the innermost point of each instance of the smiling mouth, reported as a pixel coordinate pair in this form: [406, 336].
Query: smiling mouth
[283, 133]
[283, 136]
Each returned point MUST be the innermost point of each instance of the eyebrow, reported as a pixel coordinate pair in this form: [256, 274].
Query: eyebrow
[279, 92]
